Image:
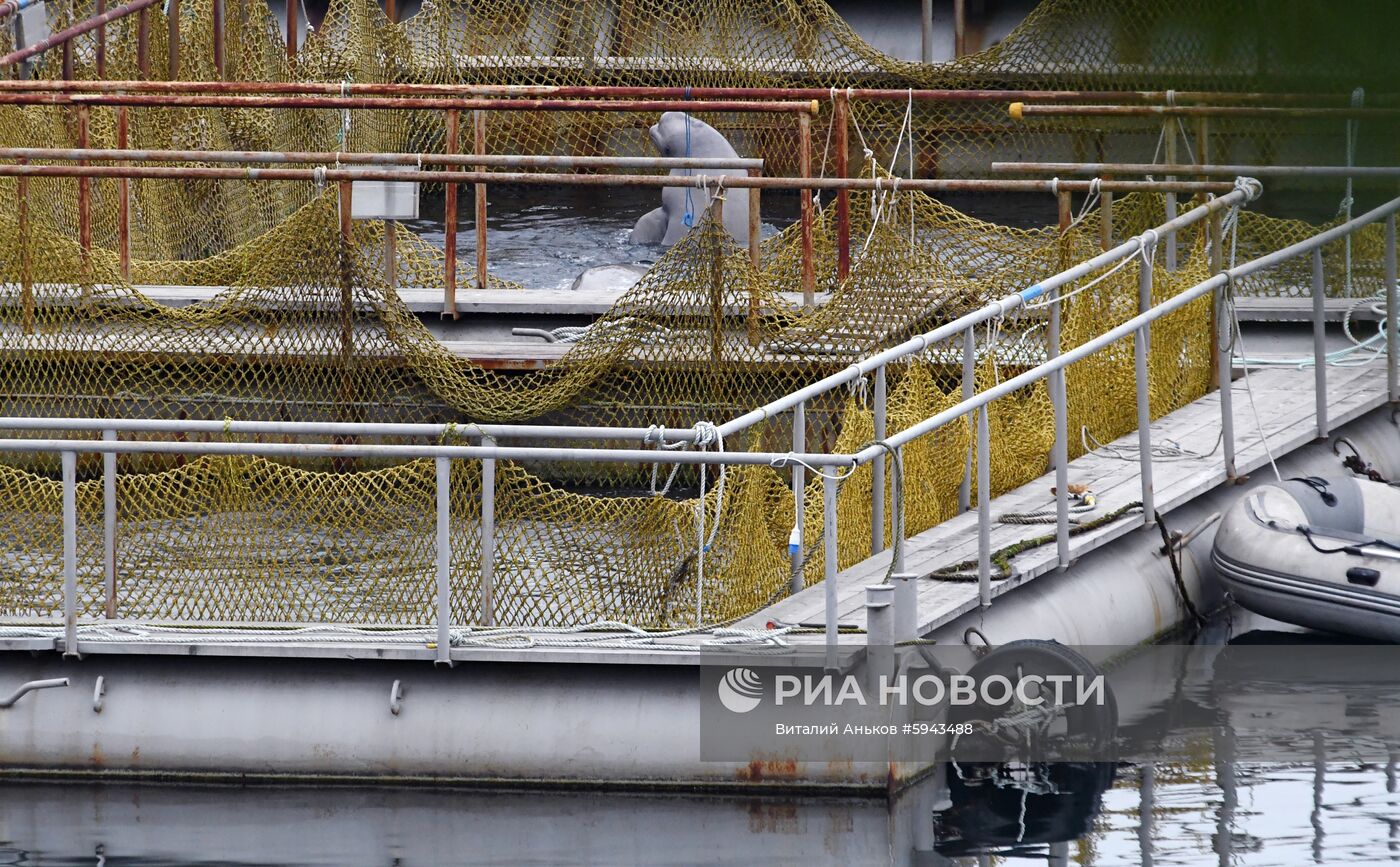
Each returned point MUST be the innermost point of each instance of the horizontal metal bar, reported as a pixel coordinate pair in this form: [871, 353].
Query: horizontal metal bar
[409, 452]
[1020, 110]
[1091, 169]
[991, 310]
[213, 100]
[76, 30]
[393, 159]
[595, 91]
[1029, 377]
[329, 175]
[323, 428]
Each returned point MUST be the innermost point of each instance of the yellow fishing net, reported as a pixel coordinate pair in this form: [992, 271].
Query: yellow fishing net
[303, 324]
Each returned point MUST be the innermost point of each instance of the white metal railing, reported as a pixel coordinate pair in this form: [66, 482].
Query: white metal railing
[973, 407]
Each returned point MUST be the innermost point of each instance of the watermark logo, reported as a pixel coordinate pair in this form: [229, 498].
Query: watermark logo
[740, 690]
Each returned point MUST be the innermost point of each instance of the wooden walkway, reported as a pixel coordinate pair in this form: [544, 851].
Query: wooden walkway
[1284, 398]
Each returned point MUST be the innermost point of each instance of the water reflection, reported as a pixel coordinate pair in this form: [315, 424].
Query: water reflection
[1208, 800]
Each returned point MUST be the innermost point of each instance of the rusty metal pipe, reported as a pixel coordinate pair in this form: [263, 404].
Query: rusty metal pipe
[648, 92]
[449, 226]
[216, 100]
[843, 197]
[804, 170]
[1092, 169]
[124, 155]
[937, 185]
[1019, 110]
[68, 33]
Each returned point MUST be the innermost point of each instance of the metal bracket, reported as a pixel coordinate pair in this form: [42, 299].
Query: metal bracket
[28, 687]
[396, 698]
[99, 689]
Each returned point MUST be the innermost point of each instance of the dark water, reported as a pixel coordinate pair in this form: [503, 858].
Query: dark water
[1201, 807]
[544, 237]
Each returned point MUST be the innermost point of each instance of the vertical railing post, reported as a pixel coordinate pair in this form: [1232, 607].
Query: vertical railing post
[830, 561]
[391, 254]
[926, 31]
[347, 290]
[877, 467]
[799, 490]
[123, 202]
[1142, 347]
[804, 170]
[969, 388]
[143, 42]
[1059, 402]
[1222, 353]
[488, 537]
[99, 7]
[959, 28]
[1147, 773]
[68, 60]
[173, 36]
[479, 143]
[897, 514]
[755, 231]
[391, 11]
[1106, 217]
[449, 226]
[1391, 348]
[218, 23]
[443, 467]
[843, 197]
[70, 553]
[26, 282]
[984, 507]
[1169, 155]
[1319, 310]
[84, 190]
[109, 526]
[291, 31]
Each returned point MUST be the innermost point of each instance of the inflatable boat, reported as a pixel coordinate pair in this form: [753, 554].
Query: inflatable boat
[1317, 552]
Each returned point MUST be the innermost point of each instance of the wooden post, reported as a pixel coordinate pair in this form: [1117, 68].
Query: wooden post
[218, 16]
[843, 197]
[804, 170]
[26, 282]
[100, 52]
[143, 42]
[123, 203]
[479, 132]
[291, 31]
[449, 226]
[173, 46]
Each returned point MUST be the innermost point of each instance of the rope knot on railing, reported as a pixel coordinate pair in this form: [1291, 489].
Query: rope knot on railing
[1251, 187]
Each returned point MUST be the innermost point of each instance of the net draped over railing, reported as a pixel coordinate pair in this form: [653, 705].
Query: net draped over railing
[308, 326]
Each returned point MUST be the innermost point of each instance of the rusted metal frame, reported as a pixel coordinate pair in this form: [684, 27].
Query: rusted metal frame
[479, 139]
[218, 24]
[143, 43]
[595, 180]
[100, 50]
[717, 287]
[449, 225]
[391, 11]
[1106, 217]
[1020, 110]
[1169, 155]
[227, 100]
[25, 271]
[755, 256]
[804, 171]
[959, 28]
[346, 191]
[292, 31]
[1203, 169]
[172, 14]
[695, 93]
[123, 202]
[839, 120]
[84, 189]
[513, 161]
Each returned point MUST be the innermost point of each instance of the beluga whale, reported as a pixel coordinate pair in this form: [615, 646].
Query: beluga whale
[677, 134]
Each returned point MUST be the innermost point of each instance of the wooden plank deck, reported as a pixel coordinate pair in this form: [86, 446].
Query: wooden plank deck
[1284, 399]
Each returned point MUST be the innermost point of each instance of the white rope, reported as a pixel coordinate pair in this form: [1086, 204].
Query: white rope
[791, 459]
[1167, 450]
[706, 435]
